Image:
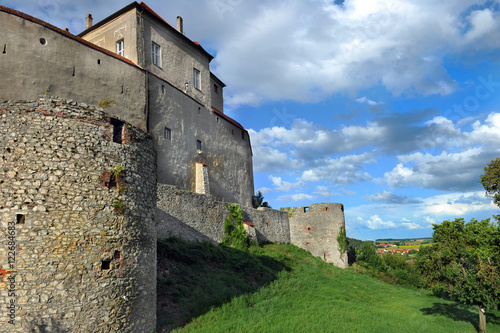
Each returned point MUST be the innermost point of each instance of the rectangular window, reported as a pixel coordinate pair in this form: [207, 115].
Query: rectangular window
[216, 88]
[198, 144]
[197, 79]
[120, 47]
[168, 133]
[156, 54]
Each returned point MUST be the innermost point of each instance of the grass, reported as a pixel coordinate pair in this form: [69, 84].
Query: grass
[281, 288]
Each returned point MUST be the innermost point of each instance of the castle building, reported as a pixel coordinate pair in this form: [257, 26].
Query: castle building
[136, 148]
[152, 76]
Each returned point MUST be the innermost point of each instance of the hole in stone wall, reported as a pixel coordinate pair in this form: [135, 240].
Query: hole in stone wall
[306, 209]
[98, 61]
[122, 88]
[43, 41]
[198, 144]
[118, 255]
[74, 70]
[106, 264]
[199, 110]
[20, 218]
[4, 49]
[7, 150]
[117, 130]
[162, 88]
[309, 229]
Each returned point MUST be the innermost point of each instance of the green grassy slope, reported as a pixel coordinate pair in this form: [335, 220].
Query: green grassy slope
[281, 288]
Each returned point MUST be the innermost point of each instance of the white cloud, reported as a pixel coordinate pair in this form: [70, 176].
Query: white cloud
[265, 190]
[411, 226]
[305, 50]
[376, 223]
[281, 185]
[296, 197]
[391, 198]
[458, 204]
[343, 170]
[364, 100]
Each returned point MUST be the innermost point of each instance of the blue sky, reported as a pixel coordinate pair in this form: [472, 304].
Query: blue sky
[389, 107]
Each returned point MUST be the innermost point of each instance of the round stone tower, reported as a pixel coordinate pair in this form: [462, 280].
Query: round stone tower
[77, 198]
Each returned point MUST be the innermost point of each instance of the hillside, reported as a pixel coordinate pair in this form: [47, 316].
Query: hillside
[281, 288]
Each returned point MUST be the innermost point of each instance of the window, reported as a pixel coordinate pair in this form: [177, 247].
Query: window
[156, 54]
[168, 133]
[196, 79]
[216, 89]
[120, 47]
[198, 144]
[117, 130]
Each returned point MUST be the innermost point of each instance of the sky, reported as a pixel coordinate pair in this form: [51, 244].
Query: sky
[391, 108]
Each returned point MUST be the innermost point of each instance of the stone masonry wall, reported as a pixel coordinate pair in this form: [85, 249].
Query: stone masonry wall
[70, 261]
[315, 228]
[197, 217]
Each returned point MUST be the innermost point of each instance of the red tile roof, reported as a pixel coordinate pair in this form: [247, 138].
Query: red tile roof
[231, 120]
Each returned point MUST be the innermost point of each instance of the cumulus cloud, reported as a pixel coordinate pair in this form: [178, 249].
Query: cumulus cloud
[296, 197]
[458, 204]
[281, 185]
[376, 223]
[364, 100]
[390, 198]
[305, 50]
[446, 171]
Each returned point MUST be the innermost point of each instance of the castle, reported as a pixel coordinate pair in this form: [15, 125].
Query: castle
[86, 190]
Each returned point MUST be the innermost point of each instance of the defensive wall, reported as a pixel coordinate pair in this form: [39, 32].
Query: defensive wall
[78, 241]
[197, 217]
[316, 228]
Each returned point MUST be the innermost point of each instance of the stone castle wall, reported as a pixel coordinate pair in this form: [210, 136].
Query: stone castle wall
[196, 217]
[69, 261]
[315, 229]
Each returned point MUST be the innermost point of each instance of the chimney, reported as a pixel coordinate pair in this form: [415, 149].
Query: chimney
[88, 21]
[180, 25]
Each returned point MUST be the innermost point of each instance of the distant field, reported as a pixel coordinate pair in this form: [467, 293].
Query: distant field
[404, 247]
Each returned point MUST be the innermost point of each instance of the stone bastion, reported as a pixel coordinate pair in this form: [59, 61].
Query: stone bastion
[77, 198]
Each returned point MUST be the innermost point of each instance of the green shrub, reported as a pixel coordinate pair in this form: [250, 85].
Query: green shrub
[235, 234]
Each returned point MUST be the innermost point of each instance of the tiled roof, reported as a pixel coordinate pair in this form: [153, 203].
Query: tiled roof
[65, 33]
[231, 120]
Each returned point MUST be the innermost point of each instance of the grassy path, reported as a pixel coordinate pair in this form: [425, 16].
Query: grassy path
[312, 296]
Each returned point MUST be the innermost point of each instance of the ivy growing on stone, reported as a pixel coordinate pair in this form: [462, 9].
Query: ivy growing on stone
[234, 232]
[342, 240]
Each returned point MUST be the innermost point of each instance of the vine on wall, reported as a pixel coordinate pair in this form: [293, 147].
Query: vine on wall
[342, 240]
[234, 232]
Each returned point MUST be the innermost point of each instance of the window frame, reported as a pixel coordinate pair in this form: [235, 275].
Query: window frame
[196, 78]
[156, 54]
[167, 134]
[120, 47]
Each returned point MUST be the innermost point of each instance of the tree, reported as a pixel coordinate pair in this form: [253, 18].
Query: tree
[463, 262]
[259, 201]
[491, 180]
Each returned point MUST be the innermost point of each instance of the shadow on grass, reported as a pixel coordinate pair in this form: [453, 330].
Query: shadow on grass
[193, 277]
[459, 312]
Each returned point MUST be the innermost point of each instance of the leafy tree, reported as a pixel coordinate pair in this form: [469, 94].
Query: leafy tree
[491, 181]
[353, 246]
[260, 201]
[463, 262]
[367, 256]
